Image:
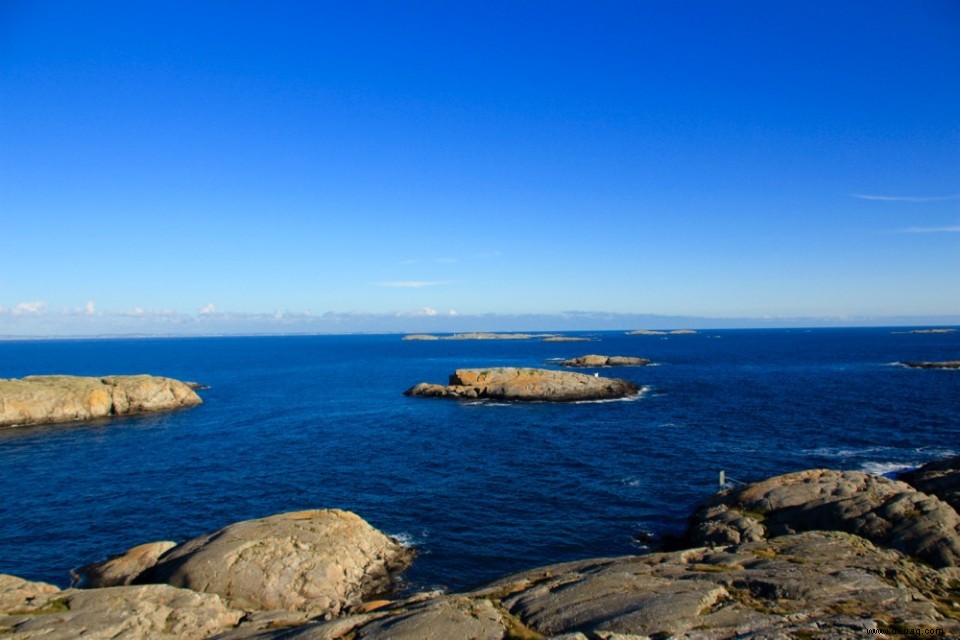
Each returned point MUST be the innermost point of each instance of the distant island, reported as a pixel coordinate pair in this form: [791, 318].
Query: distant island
[927, 331]
[946, 364]
[650, 332]
[525, 385]
[604, 361]
[546, 337]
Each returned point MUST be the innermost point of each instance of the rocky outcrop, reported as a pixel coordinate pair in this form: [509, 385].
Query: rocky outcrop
[31, 610]
[594, 361]
[940, 478]
[568, 339]
[52, 399]
[815, 584]
[122, 569]
[769, 562]
[887, 512]
[323, 562]
[520, 384]
[946, 364]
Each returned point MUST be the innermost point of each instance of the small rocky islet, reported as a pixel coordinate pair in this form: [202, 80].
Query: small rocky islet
[52, 399]
[520, 384]
[596, 361]
[812, 554]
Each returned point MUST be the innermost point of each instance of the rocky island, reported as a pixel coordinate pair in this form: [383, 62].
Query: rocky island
[813, 554]
[53, 399]
[592, 361]
[946, 364]
[484, 336]
[650, 332]
[522, 384]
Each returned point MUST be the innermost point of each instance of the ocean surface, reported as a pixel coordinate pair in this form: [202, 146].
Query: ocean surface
[480, 489]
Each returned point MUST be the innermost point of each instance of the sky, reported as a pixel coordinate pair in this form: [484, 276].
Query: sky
[271, 167]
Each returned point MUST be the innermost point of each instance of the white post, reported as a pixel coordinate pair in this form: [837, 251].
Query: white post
[723, 478]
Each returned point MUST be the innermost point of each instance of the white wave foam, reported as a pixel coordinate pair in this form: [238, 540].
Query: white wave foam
[408, 539]
[886, 469]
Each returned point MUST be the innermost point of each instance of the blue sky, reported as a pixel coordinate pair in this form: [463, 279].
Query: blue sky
[297, 166]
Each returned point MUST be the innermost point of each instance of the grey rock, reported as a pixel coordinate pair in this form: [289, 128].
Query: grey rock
[887, 512]
[947, 364]
[134, 612]
[940, 478]
[323, 562]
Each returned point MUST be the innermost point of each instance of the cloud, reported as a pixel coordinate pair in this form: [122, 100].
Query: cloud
[29, 308]
[411, 284]
[953, 229]
[879, 198]
[207, 310]
[425, 312]
[89, 309]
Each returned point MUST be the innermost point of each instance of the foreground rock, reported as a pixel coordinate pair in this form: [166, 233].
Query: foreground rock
[593, 361]
[31, 610]
[518, 384]
[887, 512]
[940, 478]
[816, 584]
[323, 562]
[52, 399]
[947, 364]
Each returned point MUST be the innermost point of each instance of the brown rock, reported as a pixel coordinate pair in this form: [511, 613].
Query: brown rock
[125, 568]
[887, 512]
[149, 611]
[51, 399]
[595, 361]
[510, 383]
[321, 562]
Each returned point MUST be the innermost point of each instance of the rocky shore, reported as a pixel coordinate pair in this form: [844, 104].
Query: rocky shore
[815, 554]
[53, 399]
[525, 385]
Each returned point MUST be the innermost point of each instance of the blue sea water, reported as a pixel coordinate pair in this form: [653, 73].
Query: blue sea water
[480, 489]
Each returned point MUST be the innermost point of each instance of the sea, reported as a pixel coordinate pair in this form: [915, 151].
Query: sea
[480, 489]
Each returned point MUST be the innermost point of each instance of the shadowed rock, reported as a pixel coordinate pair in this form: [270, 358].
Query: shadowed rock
[125, 568]
[511, 383]
[51, 399]
[322, 562]
[594, 361]
[940, 478]
[887, 512]
[946, 364]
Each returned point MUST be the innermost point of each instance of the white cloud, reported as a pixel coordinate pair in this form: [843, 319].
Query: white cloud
[89, 309]
[210, 308]
[33, 308]
[410, 284]
[880, 198]
[425, 312]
